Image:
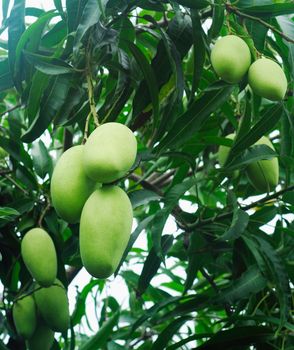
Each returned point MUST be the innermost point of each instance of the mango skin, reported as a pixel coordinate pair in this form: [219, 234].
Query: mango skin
[39, 255]
[24, 314]
[264, 174]
[70, 187]
[109, 152]
[231, 58]
[223, 153]
[105, 229]
[43, 338]
[52, 304]
[267, 79]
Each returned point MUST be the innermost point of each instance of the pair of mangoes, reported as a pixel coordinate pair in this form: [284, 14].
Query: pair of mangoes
[231, 59]
[37, 315]
[104, 211]
[263, 174]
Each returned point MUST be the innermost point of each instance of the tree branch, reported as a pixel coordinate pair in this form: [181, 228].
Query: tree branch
[233, 9]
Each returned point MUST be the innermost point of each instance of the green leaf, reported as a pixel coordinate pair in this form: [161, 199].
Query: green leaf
[8, 214]
[179, 345]
[141, 226]
[167, 334]
[74, 12]
[199, 4]
[149, 76]
[262, 127]
[91, 15]
[6, 81]
[80, 307]
[246, 335]
[48, 65]
[199, 51]
[269, 10]
[251, 282]
[218, 16]
[253, 154]
[41, 159]
[16, 27]
[238, 226]
[5, 6]
[288, 197]
[142, 197]
[52, 101]
[193, 119]
[99, 340]
[152, 264]
[16, 150]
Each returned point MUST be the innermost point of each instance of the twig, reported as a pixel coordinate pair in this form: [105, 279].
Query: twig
[10, 110]
[91, 98]
[233, 9]
[16, 184]
[200, 223]
[43, 213]
[86, 131]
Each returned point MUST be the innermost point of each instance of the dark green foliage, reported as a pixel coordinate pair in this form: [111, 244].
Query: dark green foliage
[214, 269]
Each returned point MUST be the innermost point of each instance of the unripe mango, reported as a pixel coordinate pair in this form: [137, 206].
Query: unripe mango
[70, 187]
[25, 316]
[267, 79]
[42, 339]
[223, 153]
[52, 304]
[231, 58]
[264, 174]
[109, 152]
[105, 229]
[39, 255]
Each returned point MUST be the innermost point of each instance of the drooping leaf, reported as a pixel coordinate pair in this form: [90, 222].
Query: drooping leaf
[41, 159]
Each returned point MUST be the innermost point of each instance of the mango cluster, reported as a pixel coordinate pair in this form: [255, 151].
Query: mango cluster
[38, 314]
[262, 174]
[231, 60]
[82, 190]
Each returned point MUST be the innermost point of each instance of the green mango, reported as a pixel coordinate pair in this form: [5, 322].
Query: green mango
[42, 339]
[267, 79]
[39, 255]
[70, 187]
[109, 152]
[223, 153]
[25, 316]
[231, 58]
[264, 174]
[52, 304]
[105, 229]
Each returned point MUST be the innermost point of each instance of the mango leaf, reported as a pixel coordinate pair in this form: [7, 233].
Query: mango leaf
[8, 214]
[199, 4]
[218, 16]
[74, 10]
[238, 225]
[16, 150]
[152, 264]
[262, 127]
[99, 340]
[5, 6]
[232, 338]
[91, 15]
[142, 197]
[48, 65]
[6, 81]
[289, 197]
[253, 154]
[193, 119]
[52, 100]
[269, 10]
[16, 27]
[167, 334]
[250, 282]
[41, 159]
[149, 76]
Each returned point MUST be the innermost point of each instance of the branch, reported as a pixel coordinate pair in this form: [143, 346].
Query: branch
[10, 110]
[233, 9]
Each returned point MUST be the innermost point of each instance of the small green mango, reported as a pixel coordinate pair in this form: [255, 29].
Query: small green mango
[109, 152]
[70, 187]
[267, 79]
[105, 229]
[264, 174]
[39, 255]
[42, 339]
[52, 304]
[231, 58]
[25, 316]
[223, 153]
